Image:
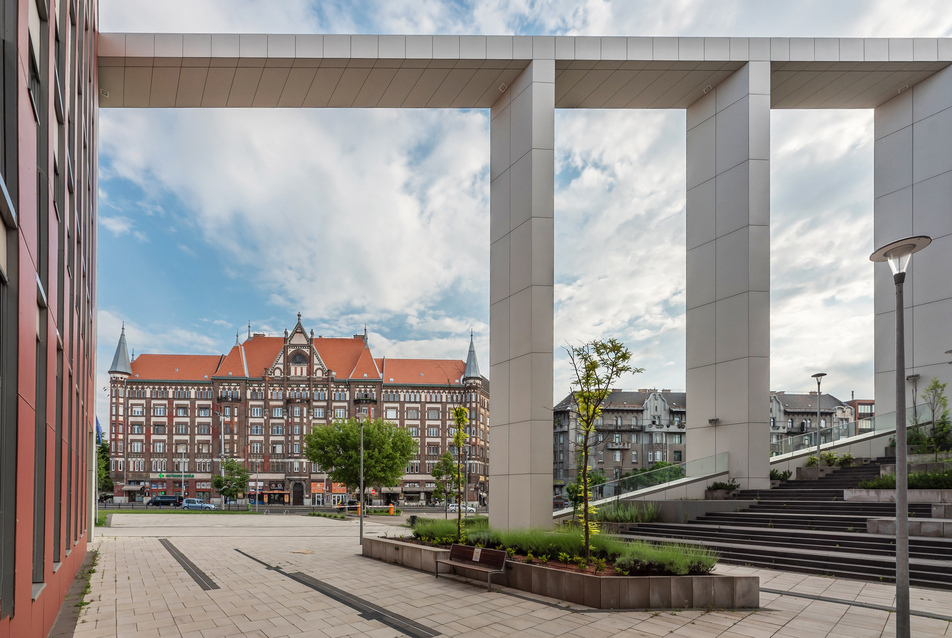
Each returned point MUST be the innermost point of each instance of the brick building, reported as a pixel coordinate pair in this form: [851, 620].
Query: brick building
[173, 417]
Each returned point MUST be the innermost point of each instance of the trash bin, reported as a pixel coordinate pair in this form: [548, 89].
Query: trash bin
[412, 520]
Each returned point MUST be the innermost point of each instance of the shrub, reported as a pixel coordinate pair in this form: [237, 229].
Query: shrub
[917, 481]
[671, 558]
[829, 458]
[720, 485]
[618, 512]
[777, 475]
[812, 461]
[846, 460]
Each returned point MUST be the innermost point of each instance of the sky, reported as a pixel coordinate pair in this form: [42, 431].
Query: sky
[211, 219]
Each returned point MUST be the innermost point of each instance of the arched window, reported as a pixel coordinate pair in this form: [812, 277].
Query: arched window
[299, 359]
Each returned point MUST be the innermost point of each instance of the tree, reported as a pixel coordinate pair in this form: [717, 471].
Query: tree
[336, 448]
[234, 482]
[443, 473]
[596, 365]
[102, 466]
[460, 418]
[934, 396]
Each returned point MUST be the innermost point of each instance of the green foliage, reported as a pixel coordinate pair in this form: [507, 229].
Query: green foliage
[812, 461]
[102, 467]
[438, 529]
[730, 485]
[619, 512]
[101, 518]
[846, 460]
[341, 517]
[444, 475]
[234, 482]
[916, 481]
[336, 448]
[676, 559]
[573, 492]
[777, 475]
[596, 478]
[934, 396]
[660, 472]
[460, 418]
[596, 366]
[829, 458]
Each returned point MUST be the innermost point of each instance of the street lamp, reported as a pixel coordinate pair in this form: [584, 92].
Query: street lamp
[818, 376]
[360, 508]
[897, 255]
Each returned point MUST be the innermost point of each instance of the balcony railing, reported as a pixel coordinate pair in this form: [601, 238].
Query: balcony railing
[618, 446]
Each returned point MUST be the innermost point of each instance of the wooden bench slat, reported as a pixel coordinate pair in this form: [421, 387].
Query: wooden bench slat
[488, 561]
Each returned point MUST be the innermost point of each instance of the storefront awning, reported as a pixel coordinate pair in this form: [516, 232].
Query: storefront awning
[132, 488]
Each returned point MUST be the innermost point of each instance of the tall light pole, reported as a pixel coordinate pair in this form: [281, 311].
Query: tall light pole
[221, 452]
[360, 508]
[897, 255]
[818, 376]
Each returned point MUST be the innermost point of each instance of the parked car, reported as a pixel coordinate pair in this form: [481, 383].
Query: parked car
[172, 500]
[350, 507]
[468, 509]
[197, 504]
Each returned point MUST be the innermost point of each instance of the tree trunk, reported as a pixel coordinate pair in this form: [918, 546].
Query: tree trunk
[585, 530]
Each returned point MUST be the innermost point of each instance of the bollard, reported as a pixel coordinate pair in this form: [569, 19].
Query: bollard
[391, 509]
[358, 509]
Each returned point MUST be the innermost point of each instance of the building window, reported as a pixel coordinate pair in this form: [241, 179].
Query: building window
[433, 432]
[433, 414]
[675, 439]
[256, 447]
[256, 412]
[318, 413]
[158, 410]
[181, 411]
[650, 456]
[277, 430]
[413, 414]
[204, 428]
[158, 447]
[391, 413]
[135, 446]
[414, 431]
[158, 429]
[204, 412]
[340, 413]
[277, 448]
[601, 457]
[634, 456]
[297, 410]
[181, 428]
[137, 410]
[433, 449]
[256, 429]
[277, 412]
[677, 456]
[616, 456]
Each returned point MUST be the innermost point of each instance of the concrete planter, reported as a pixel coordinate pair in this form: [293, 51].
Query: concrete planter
[599, 592]
[720, 495]
[813, 473]
[889, 496]
[920, 466]
[928, 527]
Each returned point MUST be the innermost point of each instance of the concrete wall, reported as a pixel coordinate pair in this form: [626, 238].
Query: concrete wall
[728, 273]
[913, 196]
[522, 175]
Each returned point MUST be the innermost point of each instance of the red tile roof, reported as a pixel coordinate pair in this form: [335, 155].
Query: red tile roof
[348, 358]
[427, 371]
[175, 367]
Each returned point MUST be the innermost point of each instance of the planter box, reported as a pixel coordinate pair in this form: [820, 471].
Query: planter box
[813, 473]
[599, 592]
[720, 495]
[929, 527]
[919, 466]
[889, 496]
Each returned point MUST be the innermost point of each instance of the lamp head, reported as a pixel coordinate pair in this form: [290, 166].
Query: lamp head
[818, 375]
[897, 253]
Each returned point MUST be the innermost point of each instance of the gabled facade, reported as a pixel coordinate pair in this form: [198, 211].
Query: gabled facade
[796, 413]
[175, 417]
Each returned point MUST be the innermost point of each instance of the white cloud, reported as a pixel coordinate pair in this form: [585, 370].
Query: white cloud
[117, 225]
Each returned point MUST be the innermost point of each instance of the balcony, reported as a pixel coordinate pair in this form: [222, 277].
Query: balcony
[611, 445]
[365, 401]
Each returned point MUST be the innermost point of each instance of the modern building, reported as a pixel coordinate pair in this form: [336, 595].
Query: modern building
[638, 429]
[865, 410]
[174, 418]
[48, 191]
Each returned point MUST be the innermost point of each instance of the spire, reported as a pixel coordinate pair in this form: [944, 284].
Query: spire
[472, 368]
[249, 328]
[365, 333]
[237, 338]
[120, 361]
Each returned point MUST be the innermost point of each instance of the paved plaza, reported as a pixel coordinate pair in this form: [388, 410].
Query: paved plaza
[207, 575]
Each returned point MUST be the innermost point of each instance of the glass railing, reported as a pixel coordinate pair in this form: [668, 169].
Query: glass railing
[671, 472]
[880, 423]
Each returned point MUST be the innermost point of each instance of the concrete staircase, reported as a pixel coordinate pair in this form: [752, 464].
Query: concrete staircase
[806, 526]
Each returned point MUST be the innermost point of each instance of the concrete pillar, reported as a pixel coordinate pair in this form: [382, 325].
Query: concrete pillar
[728, 274]
[912, 186]
[522, 178]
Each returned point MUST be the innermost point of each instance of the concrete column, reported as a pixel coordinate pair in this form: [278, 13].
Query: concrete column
[912, 186]
[522, 177]
[728, 274]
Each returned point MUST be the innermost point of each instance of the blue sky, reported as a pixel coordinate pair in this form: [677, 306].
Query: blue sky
[210, 219]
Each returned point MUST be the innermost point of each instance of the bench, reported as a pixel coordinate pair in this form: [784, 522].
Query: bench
[490, 561]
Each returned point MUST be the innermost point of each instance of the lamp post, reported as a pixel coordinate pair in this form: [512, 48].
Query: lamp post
[221, 453]
[818, 376]
[360, 508]
[897, 255]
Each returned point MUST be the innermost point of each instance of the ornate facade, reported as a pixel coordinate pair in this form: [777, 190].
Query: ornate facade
[173, 418]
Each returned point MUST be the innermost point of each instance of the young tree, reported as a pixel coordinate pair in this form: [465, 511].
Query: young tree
[460, 418]
[443, 475]
[336, 447]
[934, 396]
[233, 483]
[102, 466]
[596, 365]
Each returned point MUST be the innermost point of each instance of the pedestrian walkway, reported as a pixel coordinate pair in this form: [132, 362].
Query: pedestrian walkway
[208, 575]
